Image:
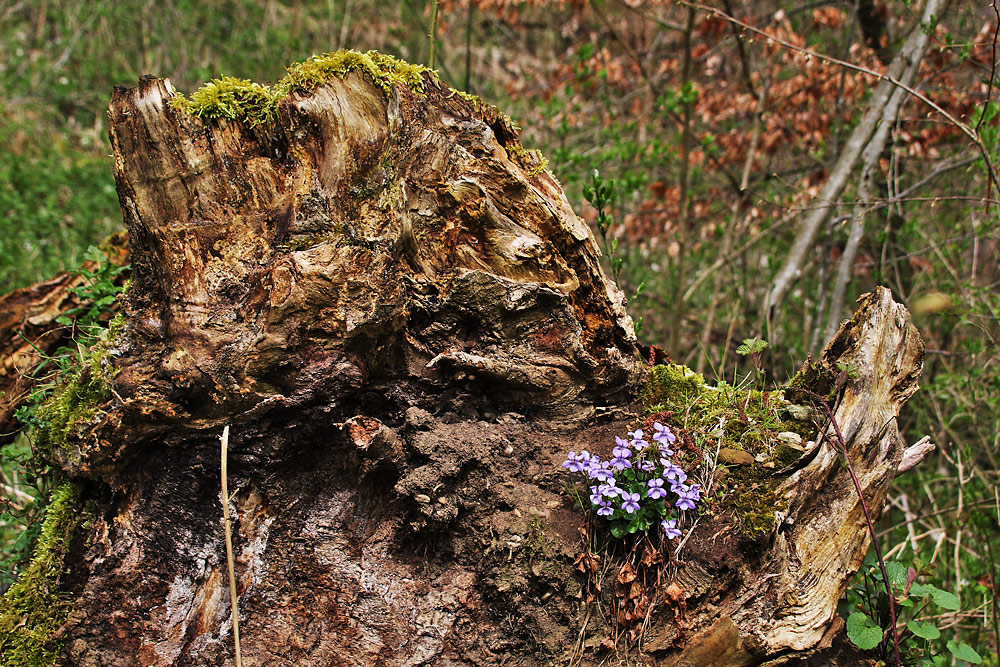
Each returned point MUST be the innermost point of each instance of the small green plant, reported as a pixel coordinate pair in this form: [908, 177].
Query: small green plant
[68, 386]
[754, 347]
[866, 608]
[22, 507]
[599, 193]
[848, 369]
[97, 297]
[73, 373]
[672, 100]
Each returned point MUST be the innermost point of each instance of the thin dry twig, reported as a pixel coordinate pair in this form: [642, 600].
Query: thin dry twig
[229, 547]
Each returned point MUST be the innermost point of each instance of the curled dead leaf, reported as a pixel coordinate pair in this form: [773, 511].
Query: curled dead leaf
[626, 574]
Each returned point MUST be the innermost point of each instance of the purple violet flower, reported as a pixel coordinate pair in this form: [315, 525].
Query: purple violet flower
[656, 489]
[636, 438]
[621, 458]
[596, 496]
[601, 471]
[630, 502]
[609, 490]
[605, 509]
[670, 528]
[576, 462]
[675, 474]
[646, 465]
[687, 496]
[663, 434]
[593, 466]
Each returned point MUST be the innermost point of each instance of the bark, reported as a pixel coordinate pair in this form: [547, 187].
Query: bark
[406, 328]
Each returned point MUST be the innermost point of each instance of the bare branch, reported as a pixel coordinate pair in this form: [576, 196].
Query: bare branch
[871, 156]
[912, 52]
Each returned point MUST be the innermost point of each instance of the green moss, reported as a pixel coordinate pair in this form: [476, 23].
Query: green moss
[230, 98]
[785, 455]
[490, 110]
[671, 387]
[385, 71]
[541, 163]
[743, 418]
[815, 377]
[740, 418]
[243, 100]
[34, 607]
[475, 100]
[80, 392]
[754, 500]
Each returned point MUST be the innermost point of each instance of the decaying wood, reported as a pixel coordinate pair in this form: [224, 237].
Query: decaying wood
[407, 328]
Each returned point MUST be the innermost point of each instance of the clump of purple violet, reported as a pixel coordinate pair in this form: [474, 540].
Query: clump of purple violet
[639, 485]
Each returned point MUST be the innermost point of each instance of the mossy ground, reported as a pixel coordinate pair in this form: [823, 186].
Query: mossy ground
[722, 416]
[35, 606]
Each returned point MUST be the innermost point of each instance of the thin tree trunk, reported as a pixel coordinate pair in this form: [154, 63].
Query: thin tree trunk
[909, 56]
[866, 196]
[684, 230]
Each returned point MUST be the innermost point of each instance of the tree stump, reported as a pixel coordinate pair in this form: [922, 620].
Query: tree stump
[406, 327]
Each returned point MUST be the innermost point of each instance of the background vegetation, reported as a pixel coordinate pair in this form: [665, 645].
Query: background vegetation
[720, 127]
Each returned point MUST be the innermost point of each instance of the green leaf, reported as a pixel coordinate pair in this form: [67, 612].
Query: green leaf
[923, 630]
[752, 346]
[637, 524]
[963, 651]
[896, 572]
[863, 631]
[941, 598]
